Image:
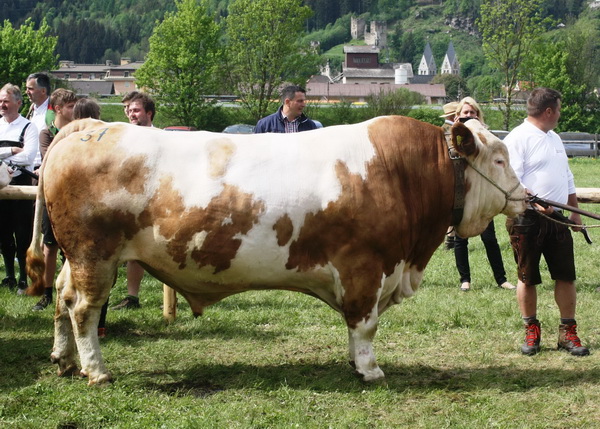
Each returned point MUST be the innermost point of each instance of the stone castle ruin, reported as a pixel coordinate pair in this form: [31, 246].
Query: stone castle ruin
[374, 33]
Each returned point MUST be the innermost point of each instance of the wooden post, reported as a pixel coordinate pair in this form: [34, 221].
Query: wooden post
[169, 303]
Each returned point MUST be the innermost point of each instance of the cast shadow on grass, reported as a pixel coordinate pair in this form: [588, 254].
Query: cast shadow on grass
[128, 331]
[23, 360]
[204, 380]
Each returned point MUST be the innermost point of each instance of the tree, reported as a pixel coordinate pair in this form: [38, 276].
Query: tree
[551, 67]
[263, 50]
[24, 51]
[509, 28]
[484, 87]
[183, 63]
[456, 86]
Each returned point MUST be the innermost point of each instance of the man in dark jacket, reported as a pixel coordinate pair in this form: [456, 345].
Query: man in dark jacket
[289, 117]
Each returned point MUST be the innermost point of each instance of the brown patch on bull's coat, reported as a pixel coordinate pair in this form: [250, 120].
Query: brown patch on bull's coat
[283, 229]
[219, 154]
[399, 212]
[227, 215]
[482, 138]
[69, 184]
[129, 175]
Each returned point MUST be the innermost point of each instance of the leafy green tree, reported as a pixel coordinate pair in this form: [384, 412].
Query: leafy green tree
[263, 50]
[551, 67]
[183, 63]
[509, 28]
[25, 50]
[456, 86]
[485, 87]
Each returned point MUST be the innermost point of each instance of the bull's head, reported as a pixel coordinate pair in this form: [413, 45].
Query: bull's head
[491, 184]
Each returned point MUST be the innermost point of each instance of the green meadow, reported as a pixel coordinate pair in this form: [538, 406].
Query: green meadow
[279, 359]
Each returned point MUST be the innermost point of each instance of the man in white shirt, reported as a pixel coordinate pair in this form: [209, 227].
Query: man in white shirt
[538, 157]
[38, 91]
[16, 216]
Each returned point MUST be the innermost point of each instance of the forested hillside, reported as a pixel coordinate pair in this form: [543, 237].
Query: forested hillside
[92, 31]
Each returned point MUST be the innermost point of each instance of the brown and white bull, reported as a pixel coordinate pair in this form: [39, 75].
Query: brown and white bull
[348, 214]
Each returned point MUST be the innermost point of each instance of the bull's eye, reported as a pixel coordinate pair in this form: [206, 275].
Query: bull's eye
[500, 162]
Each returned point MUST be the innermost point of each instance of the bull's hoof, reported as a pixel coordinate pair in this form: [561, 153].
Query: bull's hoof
[66, 367]
[101, 379]
[70, 371]
[373, 376]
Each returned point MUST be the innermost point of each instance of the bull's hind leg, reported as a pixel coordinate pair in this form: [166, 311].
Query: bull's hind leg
[87, 288]
[63, 352]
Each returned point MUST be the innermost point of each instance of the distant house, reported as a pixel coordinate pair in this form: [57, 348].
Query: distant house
[122, 76]
[335, 92]
[100, 79]
[363, 75]
[362, 67]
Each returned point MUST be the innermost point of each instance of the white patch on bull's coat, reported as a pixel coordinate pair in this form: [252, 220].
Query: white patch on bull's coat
[282, 170]
[124, 201]
[197, 241]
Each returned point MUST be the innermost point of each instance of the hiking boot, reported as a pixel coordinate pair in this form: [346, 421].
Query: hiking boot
[127, 303]
[9, 282]
[569, 341]
[533, 335]
[44, 302]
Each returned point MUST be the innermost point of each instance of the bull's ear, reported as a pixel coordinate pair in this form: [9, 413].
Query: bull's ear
[463, 140]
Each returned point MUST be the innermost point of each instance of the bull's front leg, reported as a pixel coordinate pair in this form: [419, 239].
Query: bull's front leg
[362, 356]
[362, 289]
[63, 351]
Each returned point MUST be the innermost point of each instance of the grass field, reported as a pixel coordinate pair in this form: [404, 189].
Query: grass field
[278, 359]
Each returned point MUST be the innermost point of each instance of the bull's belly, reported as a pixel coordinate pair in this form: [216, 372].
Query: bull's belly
[265, 269]
[249, 270]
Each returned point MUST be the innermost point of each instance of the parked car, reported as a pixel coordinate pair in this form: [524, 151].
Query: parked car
[239, 129]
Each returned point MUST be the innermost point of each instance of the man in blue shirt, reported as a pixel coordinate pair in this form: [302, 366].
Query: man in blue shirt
[289, 117]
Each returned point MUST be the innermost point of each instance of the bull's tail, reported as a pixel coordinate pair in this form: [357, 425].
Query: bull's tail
[35, 255]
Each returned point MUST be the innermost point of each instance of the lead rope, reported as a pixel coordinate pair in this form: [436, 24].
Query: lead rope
[570, 225]
[507, 194]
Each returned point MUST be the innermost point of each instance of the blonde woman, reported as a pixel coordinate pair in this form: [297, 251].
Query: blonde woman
[468, 109]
